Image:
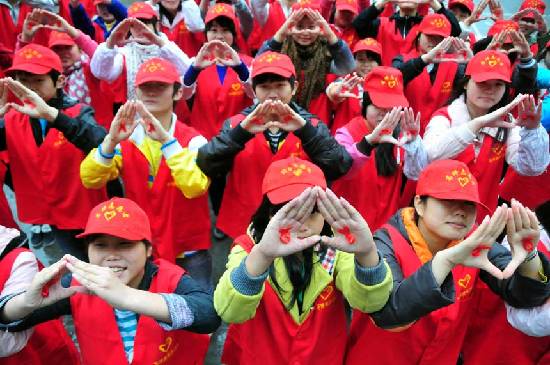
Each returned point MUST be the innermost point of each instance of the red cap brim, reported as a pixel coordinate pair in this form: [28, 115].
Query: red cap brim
[31, 68]
[273, 70]
[286, 193]
[486, 76]
[61, 42]
[444, 195]
[349, 7]
[386, 100]
[157, 78]
[118, 232]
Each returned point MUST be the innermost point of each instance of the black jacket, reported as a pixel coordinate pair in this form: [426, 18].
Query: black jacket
[216, 157]
[419, 294]
[199, 300]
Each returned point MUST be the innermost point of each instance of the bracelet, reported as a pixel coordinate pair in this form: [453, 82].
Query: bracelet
[531, 255]
[170, 142]
[107, 156]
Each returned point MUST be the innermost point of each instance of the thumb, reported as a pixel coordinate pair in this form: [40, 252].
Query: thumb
[517, 259]
[493, 270]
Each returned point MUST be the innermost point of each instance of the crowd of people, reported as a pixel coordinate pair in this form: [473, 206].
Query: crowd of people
[381, 169]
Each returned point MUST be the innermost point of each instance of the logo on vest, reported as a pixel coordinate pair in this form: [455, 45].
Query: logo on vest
[465, 287]
[497, 152]
[182, 29]
[326, 298]
[168, 348]
[61, 140]
[236, 89]
[446, 87]
[108, 212]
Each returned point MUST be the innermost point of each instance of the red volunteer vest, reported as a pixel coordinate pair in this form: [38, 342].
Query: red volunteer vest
[320, 106]
[260, 34]
[9, 30]
[492, 340]
[189, 42]
[275, 338]
[46, 178]
[425, 97]
[434, 339]
[531, 191]
[99, 337]
[375, 197]
[486, 167]
[243, 192]
[393, 42]
[214, 102]
[6, 217]
[49, 343]
[349, 36]
[178, 224]
[102, 98]
[345, 111]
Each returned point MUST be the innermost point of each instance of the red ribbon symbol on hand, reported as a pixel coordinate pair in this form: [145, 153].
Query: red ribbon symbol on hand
[477, 251]
[284, 235]
[347, 234]
[46, 288]
[384, 132]
[528, 244]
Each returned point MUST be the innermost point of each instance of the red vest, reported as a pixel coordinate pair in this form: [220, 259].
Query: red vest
[531, 191]
[349, 36]
[243, 192]
[425, 97]
[275, 338]
[189, 42]
[6, 217]
[345, 111]
[214, 102]
[9, 31]
[492, 340]
[260, 34]
[99, 337]
[486, 167]
[102, 98]
[320, 106]
[49, 343]
[46, 178]
[434, 339]
[391, 39]
[375, 197]
[178, 224]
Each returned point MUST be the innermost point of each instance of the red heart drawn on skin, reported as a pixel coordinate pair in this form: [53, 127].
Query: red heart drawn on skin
[29, 103]
[150, 127]
[284, 235]
[477, 251]
[528, 244]
[257, 120]
[287, 118]
[385, 132]
[46, 288]
[122, 127]
[347, 234]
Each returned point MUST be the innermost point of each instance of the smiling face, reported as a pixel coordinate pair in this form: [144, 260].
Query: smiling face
[365, 61]
[484, 95]
[216, 31]
[125, 258]
[305, 32]
[445, 220]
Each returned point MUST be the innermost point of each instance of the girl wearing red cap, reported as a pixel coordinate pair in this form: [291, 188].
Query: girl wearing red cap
[346, 93]
[395, 32]
[286, 280]
[46, 135]
[381, 163]
[154, 154]
[471, 129]
[40, 344]
[126, 307]
[317, 54]
[436, 260]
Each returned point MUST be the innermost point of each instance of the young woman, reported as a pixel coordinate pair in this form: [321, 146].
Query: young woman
[126, 307]
[317, 54]
[381, 163]
[286, 280]
[471, 129]
[346, 93]
[436, 261]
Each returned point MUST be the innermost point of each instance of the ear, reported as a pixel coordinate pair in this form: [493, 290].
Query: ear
[179, 94]
[149, 250]
[60, 82]
[294, 87]
[419, 205]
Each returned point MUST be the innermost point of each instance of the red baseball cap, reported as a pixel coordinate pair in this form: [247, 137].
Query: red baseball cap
[220, 9]
[350, 5]
[489, 65]
[285, 179]
[119, 217]
[501, 26]
[368, 44]
[435, 24]
[97, 2]
[141, 10]
[307, 4]
[159, 70]
[273, 62]
[35, 59]
[534, 4]
[450, 180]
[385, 87]
[60, 39]
[469, 4]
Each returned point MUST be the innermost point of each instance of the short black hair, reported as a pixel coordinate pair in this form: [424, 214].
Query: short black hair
[223, 22]
[372, 55]
[54, 74]
[271, 77]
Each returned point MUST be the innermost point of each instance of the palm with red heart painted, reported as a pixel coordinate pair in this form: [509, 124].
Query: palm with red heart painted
[152, 126]
[383, 132]
[410, 126]
[33, 105]
[224, 54]
[530, 113]
[119, 35]
[122, 127]
[289, 120]
[257, 121]
[342, 89]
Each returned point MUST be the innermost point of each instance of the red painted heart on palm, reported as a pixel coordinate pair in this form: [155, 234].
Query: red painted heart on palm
[385, 132]
[477, 251]
[347, 234]
[527, 244]
[284, 235]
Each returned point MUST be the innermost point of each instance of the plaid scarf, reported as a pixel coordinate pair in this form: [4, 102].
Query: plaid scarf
[76, 86]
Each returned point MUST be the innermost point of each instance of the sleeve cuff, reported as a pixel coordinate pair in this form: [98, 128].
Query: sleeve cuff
[242, 71]
[306, 133]
[371, 275]
[336, 46]
[364, 147]
[274, 45]
[240, 135]
[180, 313]
[244, 283]
[191, 75]
[526, 62]
[3, 302]
[102, 158]
[171, 148]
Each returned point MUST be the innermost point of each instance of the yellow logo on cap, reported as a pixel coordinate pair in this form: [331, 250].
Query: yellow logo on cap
[296, 169]
[438, 23]
[463, 177]
[31, 53]
[153, 67]
[369, 41]
[269, 58]
[136, 6]
[219, 9]
[110, 211]
[390, 81]
[492, 61]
